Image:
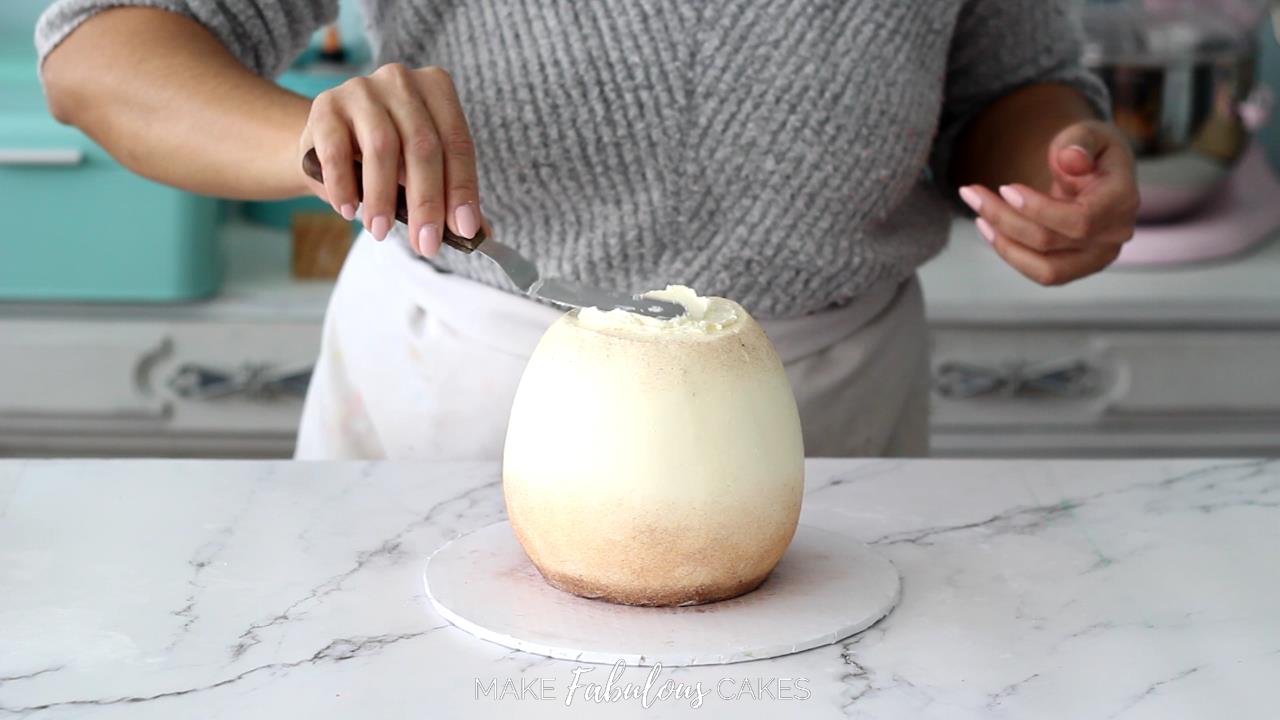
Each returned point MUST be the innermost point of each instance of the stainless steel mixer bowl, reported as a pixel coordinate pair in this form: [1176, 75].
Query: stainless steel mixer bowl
[1184, 122]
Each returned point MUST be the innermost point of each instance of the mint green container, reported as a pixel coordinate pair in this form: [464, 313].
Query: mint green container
[78, 226]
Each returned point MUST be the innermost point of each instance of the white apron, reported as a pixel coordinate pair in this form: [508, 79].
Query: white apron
[419, 364]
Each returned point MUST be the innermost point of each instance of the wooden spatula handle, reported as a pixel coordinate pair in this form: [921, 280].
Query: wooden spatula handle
[311, 166]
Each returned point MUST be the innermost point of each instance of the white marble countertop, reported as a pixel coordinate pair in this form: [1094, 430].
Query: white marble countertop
[136, 589]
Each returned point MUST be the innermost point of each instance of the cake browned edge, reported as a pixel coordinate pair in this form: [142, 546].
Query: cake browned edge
[682, 597]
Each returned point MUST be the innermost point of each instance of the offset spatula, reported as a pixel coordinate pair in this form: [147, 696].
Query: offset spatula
[523, 273]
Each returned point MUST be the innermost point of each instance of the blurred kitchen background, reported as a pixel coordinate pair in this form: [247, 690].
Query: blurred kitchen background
[189, 329]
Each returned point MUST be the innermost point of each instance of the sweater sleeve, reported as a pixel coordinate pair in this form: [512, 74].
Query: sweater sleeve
[265, 36]
[1000, 46]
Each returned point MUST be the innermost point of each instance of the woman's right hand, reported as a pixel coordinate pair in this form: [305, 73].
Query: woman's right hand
[404, 126]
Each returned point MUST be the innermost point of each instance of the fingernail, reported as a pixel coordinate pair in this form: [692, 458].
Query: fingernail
[348, 212]
[1081, 149]
[987, 231]
[467, 220]
[429, 240]
[971, 198]
[380, 226]
[1012, 196]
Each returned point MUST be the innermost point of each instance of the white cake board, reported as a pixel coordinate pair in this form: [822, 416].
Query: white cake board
[826, 588]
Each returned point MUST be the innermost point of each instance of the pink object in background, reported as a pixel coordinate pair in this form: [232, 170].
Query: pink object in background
[1246, 212]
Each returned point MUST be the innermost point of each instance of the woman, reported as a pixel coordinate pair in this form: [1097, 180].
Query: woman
[796, 156]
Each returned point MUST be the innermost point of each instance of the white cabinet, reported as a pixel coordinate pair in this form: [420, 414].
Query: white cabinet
[116, 387]
[1224, 374]
[52, 373]
[1120, 364]
[1151, 362]
[1117, 393]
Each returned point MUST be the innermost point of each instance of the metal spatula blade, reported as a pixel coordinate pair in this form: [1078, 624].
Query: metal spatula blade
[522, 272]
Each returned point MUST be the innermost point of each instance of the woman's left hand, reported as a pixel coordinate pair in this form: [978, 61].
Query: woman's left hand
[1078, 227]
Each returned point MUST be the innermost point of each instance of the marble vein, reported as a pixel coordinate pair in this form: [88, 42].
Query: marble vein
[1020, 519]
[864, 472]
[1008, 691]
[387, 549]
[1155, 687]
[201, 559]
[33, 674]
[1025, 519]
[335, 651]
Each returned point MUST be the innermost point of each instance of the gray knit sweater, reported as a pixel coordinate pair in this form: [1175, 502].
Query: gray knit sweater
[778, 152]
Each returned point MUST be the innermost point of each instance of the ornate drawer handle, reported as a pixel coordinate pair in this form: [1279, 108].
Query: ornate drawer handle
[254, 381]
[1071, 378]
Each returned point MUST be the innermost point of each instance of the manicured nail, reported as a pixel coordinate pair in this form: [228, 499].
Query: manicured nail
[1012, 196]
[467, 220]
[971, 198]
[1081, 149]
[380, 226]
[429, 240]
[987, 231]
[348, 212]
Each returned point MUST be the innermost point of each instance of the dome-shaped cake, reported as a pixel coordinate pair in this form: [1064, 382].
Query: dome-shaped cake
[655, 462]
